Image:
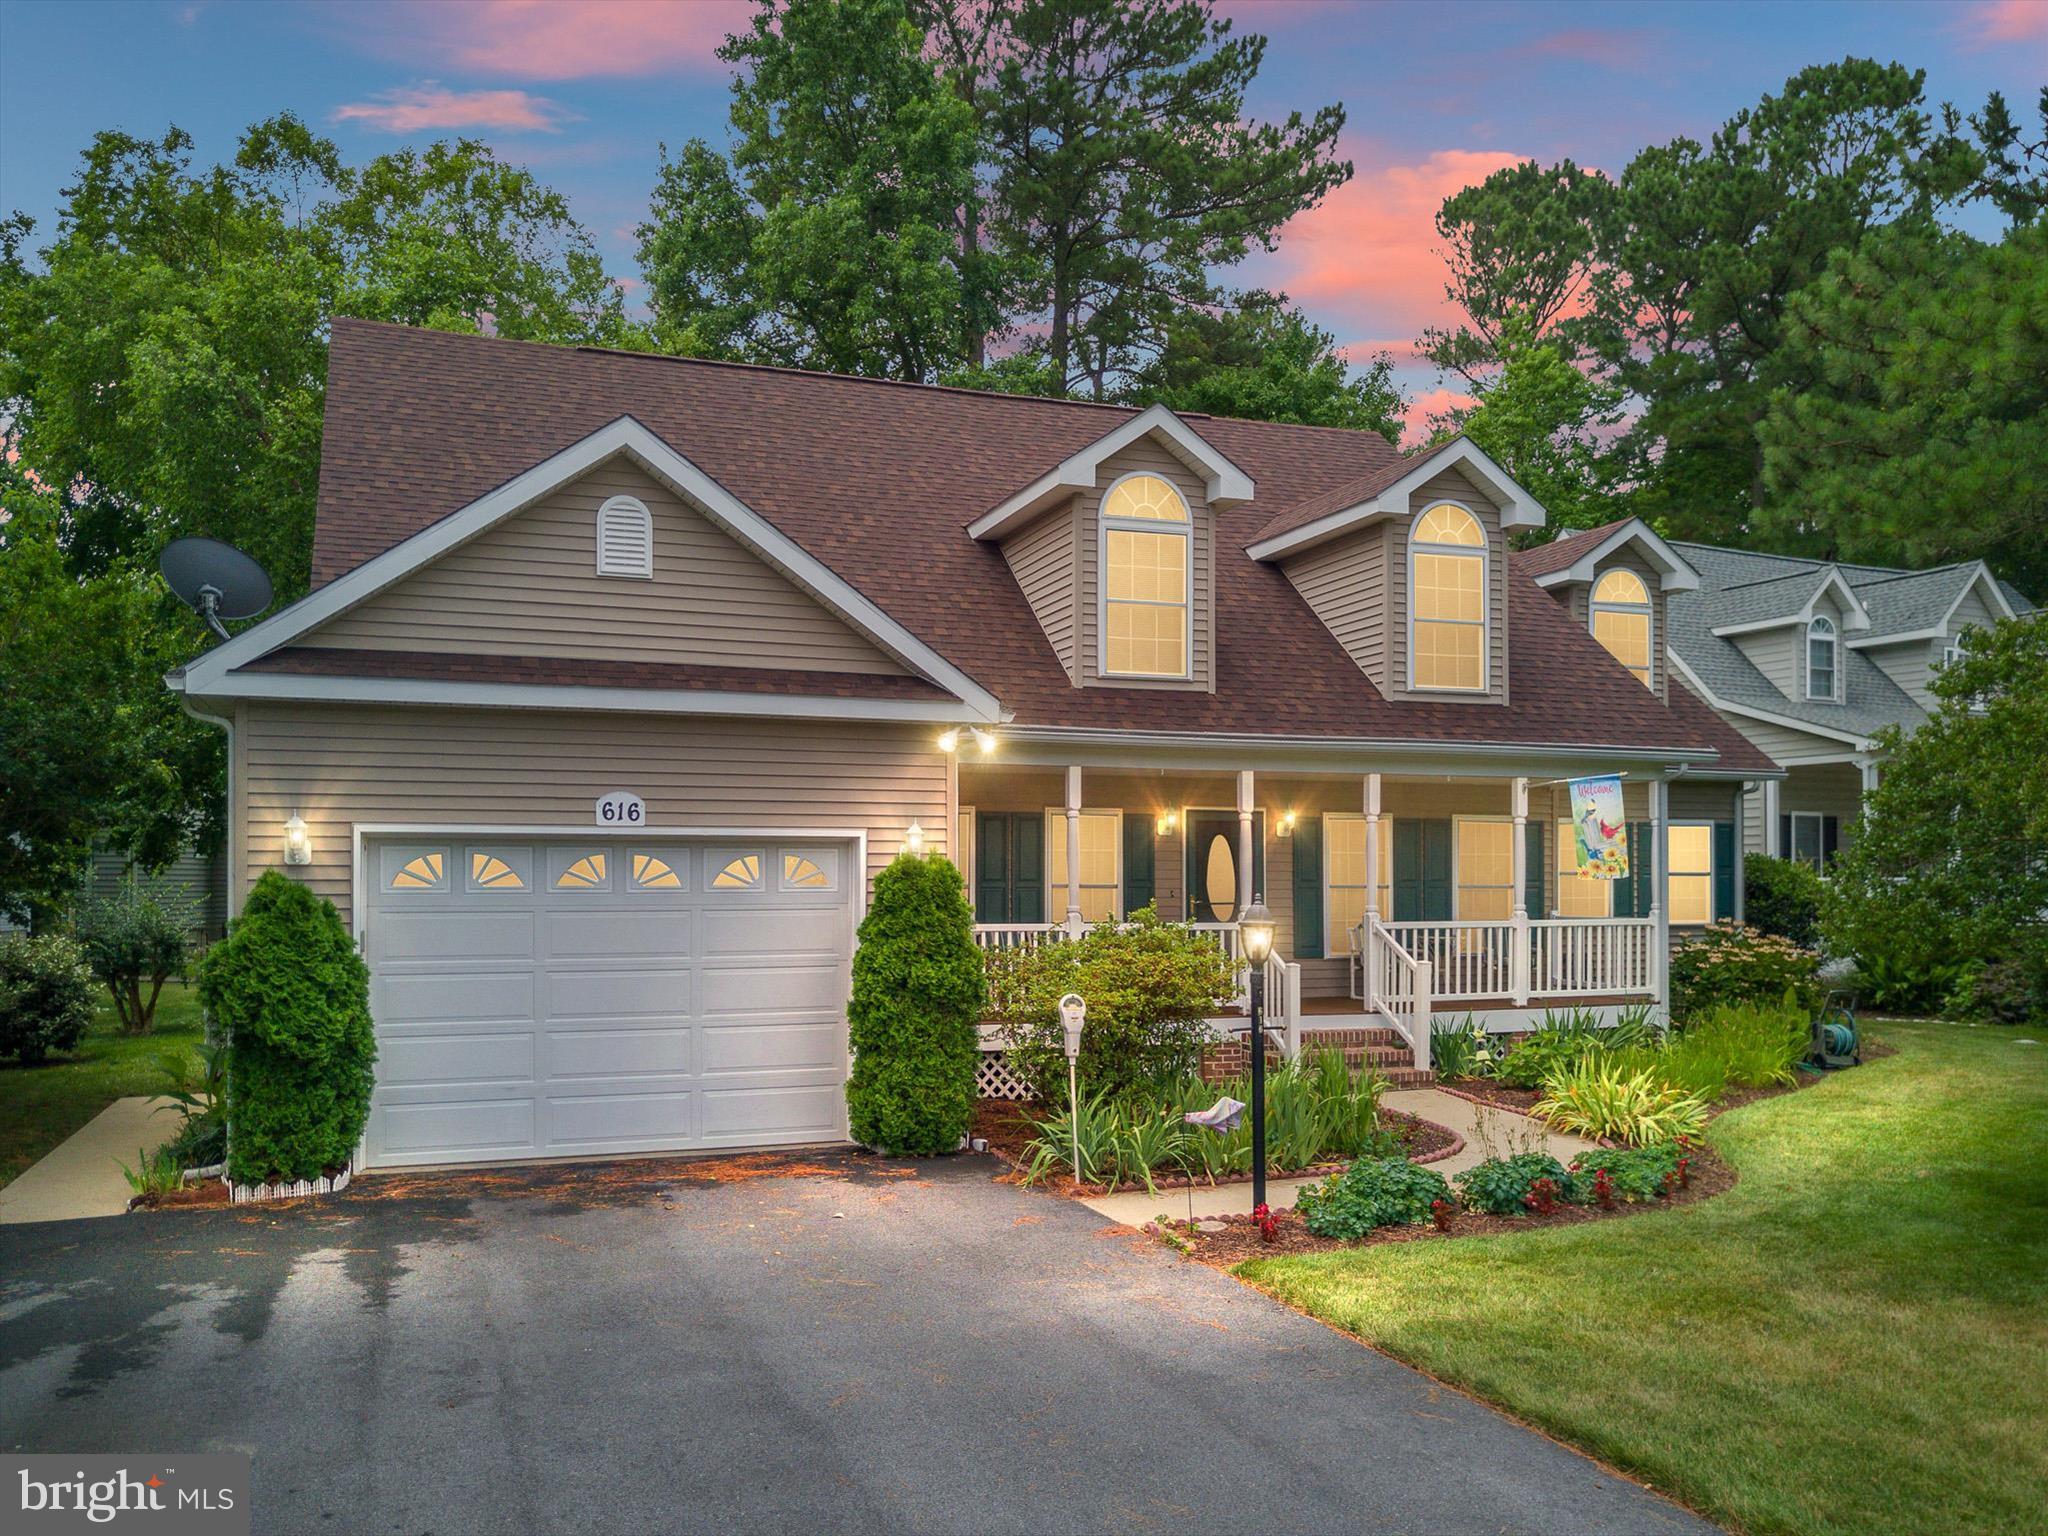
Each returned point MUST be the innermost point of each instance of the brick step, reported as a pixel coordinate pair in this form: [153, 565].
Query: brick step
[1315, 1038]
[1411, 1077]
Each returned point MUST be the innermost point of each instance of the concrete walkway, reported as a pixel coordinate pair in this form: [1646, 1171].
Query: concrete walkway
[81, 1176]
[1487, 1133]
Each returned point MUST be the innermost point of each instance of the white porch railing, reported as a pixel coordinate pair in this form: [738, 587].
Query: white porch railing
[1399, 987]
[1469, 959]
[1578, 957]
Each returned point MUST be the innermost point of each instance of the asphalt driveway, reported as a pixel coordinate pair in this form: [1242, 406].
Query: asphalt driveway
[827, 1344]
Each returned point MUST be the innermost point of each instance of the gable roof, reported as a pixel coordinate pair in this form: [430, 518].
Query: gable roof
[874, 483]
[1384, 491]
[1575, 556]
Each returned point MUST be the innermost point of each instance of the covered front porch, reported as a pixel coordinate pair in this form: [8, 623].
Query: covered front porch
[1476, 904]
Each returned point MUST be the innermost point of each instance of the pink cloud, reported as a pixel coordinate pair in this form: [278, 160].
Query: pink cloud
[547, 40]
[1416, 419]
[2004, 21]
[1588, 45]
[1368, 261]
[414, 108]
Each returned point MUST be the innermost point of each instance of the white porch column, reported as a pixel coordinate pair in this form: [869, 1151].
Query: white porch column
[1741, 814]
[1660, 907]
[1867, 766]
[1518, 936]
[1245, 865]
[1074, 923]
[1771, 820]
[1372, 886]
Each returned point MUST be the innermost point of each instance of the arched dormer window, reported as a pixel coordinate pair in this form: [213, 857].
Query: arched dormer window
[1147, 563]
[1822, 675]
[1447, 600]
[1621, 621]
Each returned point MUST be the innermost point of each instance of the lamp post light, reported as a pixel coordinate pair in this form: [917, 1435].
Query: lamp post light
[1256, 927]
[1073, 1014]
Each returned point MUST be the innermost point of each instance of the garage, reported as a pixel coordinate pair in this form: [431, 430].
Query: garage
[567, 997]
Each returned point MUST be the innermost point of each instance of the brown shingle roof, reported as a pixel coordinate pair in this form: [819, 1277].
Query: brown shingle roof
[875, 479]
[1561, 551]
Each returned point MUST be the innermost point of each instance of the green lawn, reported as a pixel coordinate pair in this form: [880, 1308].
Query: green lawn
[40, 1106]
[1853, 1339]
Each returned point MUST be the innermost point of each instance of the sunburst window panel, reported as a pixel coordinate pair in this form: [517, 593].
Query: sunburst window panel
[497, 870]
[426, 871]
[583, 872]
[655, 872]
[807, 872]
[741, 872]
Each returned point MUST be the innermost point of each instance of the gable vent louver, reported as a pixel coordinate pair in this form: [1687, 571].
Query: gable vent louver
[625, 538]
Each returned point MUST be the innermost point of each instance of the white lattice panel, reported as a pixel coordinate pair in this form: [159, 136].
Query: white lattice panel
[993, 1078]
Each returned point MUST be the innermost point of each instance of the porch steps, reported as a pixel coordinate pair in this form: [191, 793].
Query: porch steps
[1379, 1047]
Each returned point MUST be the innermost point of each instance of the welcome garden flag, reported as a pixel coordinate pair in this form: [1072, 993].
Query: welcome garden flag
[1600, 827]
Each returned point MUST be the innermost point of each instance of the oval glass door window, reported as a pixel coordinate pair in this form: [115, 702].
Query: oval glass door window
[1219, 878]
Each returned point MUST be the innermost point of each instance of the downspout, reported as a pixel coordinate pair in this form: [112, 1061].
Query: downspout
[227, 724]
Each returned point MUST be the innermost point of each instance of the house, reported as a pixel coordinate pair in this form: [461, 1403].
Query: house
[1810, 659]
[621, 676]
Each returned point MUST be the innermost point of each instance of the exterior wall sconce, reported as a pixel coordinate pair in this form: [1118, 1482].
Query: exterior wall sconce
[298, 847]
[949, 740]
[913, 839]
[986, 740]
[1166, 823]
[1286, 823]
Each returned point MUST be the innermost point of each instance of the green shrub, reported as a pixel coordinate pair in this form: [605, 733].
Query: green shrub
[1729, 963]
[1461, 1048]
[2010, 990]
[135, 940]
[918, 987]
[1500, 1186]
[1536, 1057]
[1634, 1173]
[1150, 987]
[292, 996]
[1602, 1098]
[1751, 1045]
[1372, 1192]
[1782, 897]
[45, 995]
[1908, 981]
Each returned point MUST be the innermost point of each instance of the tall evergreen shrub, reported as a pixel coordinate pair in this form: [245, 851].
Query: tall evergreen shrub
[918, 988]
[293, 996]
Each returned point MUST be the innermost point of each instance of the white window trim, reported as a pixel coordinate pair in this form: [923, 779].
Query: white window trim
[624, 508]
[1834, 642]
[1647, 608]
[1331, 887]
[1713, 872]
[1484, 555]
[1457, 852]
[967, 829]
[1820, 837]
[1566, 838]
[1185, 531]
[1056, 827]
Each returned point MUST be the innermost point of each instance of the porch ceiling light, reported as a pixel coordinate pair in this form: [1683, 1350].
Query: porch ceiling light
[1257, 927]
[298, 846]
[949, 740]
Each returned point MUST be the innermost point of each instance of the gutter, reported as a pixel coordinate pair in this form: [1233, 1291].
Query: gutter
[1404, 747]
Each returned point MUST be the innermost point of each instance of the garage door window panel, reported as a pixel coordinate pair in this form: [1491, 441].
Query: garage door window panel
[500, 869]
[579, 869]
[736, 871]
[415, 869]
[804, 870]
[657, 872]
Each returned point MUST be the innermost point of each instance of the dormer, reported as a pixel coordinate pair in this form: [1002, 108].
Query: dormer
[1408, 568]
[1617, 582]
[1115, 550]
[1793, 629]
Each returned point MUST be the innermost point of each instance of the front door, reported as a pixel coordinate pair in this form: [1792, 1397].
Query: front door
[1212, 864]
[1009, 867]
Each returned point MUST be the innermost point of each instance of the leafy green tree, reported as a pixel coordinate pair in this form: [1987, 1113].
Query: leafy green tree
[918, 987]
[1950, 862]
[1546, 419]
[1920, 431]
[1257, 356]
[1127, 171]
[828, 238]
[137, 938]
[1522, 248]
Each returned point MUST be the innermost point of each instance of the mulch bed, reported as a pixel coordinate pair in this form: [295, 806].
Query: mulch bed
[1487, 1091]
[1239, 1239]
[205, 1192]
[1005, 1124]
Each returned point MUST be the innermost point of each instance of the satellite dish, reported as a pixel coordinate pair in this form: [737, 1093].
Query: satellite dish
[215, 580]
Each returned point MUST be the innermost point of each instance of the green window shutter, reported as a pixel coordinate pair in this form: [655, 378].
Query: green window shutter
[1724, 869]
[1308, 888]
[992, 869]
[1437, 896]
[1027, 890]
[1138, 861]
[1422, 870]
[1645, 860]
[1625, 887]
[1407, 870]
[1532, 889]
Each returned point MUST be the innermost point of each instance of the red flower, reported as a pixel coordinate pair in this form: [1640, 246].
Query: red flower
[1603, 1189]
[1440, 1213]
[1269, 1227]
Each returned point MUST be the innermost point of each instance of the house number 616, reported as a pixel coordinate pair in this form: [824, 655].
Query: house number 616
[620, 809]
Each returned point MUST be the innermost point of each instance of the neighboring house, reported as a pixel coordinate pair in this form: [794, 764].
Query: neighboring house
[202, 878]
[1810, 659]
[621, 676]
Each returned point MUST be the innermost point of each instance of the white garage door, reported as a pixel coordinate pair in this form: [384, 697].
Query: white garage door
[561, 998]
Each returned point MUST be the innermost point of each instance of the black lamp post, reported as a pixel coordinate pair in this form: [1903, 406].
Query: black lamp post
[1256, 927]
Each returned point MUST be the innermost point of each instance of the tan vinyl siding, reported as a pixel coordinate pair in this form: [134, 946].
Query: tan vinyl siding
[1786, 746]
[1147, 457]
[1912, 665]
[1042, 560]
[1830, 789]
[1345, 583]
[529, 587]
[1450, 486]
[344, 766]
[1775, 653]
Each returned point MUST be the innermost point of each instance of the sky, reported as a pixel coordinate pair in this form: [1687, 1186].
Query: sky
[584, 92]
